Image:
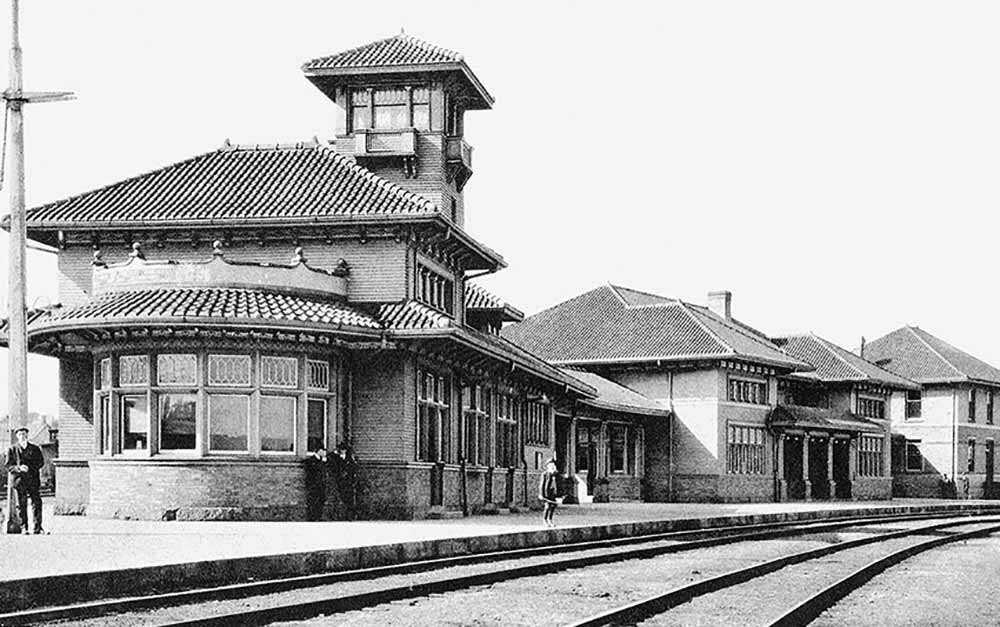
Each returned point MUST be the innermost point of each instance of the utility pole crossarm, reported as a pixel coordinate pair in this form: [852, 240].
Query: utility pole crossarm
[37, 96]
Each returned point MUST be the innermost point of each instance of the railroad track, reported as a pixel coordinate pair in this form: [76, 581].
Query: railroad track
[265, 603]
[652, 609]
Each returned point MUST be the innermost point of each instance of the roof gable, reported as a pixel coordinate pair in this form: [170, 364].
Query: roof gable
[399, 50]
[918, 355]
[611, 324]
[834, 363]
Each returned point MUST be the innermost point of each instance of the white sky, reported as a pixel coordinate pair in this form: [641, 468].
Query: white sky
[833, 164]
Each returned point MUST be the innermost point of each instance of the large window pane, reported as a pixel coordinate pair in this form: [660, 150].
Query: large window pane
[227, 422]
[390, 116]
[177, 421]
[277, 424]
[135, 423]
[316, 436]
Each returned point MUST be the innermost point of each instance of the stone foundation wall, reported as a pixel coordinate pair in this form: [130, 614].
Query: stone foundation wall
[197, 489]
[871, 488]
[622, 488]
[910, 485]
[746, 488]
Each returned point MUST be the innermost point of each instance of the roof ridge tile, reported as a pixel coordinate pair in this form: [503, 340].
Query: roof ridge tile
[704, 327]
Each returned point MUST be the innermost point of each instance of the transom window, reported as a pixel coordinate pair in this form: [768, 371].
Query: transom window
[133, 370]
[104, 379]
[318, 373]
[177, 369]
[871, 407]
[279, 372]
[229, 370]
[391, 108]
[746, 450]
[747, 391]
[871, 457]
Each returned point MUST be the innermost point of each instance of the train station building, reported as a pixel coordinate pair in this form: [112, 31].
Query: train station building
[753, 418]
[222, 317]
[948, 429]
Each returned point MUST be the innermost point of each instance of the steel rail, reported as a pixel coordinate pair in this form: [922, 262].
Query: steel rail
[811, 608]
[687, 540]
[646, 608]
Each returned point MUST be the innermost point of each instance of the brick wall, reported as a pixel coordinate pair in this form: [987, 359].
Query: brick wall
[76, 420]
[745, 488]
[384, 407]
[696, 488]
[197, 489]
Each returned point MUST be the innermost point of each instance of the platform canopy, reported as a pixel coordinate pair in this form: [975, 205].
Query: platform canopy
[798, 418]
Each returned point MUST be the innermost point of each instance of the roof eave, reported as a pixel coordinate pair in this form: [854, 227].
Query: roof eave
[464, 336]
[491, 260]
[653, 359]
[627, 409]
[485, 99]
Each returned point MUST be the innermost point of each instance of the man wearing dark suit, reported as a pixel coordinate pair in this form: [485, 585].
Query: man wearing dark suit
[24, 460]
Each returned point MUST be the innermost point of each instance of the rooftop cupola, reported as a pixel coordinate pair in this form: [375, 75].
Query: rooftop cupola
[402, 104]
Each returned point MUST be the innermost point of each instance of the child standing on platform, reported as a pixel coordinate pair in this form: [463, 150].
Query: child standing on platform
[548, 492]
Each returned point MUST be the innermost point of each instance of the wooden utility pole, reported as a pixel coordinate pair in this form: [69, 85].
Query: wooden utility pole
[17, 347]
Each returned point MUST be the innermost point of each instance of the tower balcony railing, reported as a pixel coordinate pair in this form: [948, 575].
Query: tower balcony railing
[385, 142]
[457, 151]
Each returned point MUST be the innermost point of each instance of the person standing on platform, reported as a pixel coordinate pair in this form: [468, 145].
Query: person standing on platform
[316, 465]
[345, 468]
[548, 492]
[963, 485]
[24, 461]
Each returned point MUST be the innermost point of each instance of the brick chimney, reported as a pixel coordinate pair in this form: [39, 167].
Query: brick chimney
[721, 304]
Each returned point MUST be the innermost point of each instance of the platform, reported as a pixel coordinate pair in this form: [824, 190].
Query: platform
[89, 557]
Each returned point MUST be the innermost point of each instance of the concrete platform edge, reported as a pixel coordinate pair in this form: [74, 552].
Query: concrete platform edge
[87, 586]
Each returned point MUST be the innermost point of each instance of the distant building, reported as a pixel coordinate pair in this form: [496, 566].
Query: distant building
[950, 427]
[717, 376]
[834, 422]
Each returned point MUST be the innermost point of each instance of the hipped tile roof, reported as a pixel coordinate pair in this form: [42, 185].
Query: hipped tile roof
[833, 363]
[611, 324]
[306, 181]
[617, 397]
[477, 298]
[400, 50]
[209, 305]
[922, 357]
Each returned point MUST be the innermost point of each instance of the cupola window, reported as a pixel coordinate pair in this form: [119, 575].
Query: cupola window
[391, 108]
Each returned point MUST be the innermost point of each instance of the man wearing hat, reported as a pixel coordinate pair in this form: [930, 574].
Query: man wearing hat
[24, 460]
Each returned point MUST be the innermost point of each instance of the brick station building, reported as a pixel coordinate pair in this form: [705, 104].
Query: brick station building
[751, 418]
[225, 315]
[948, 427]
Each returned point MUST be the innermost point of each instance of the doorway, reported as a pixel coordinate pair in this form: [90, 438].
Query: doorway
[588, 435]
[796, 486]
[818, 480]
[842, 468]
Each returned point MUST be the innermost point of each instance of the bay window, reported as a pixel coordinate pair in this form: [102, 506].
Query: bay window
[211, 403]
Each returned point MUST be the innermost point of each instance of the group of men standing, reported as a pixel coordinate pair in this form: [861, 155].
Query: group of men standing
[332, 478]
